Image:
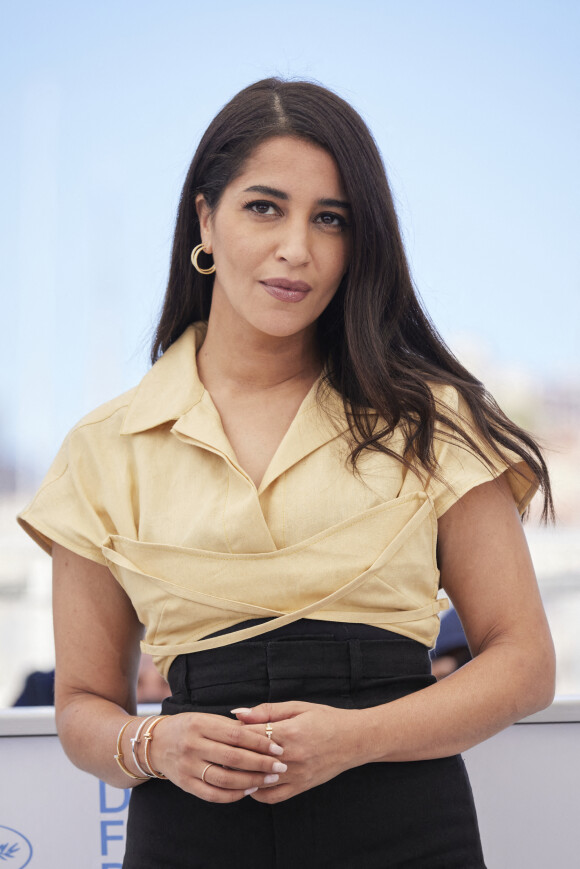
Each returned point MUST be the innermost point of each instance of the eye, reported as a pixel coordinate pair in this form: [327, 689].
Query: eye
[330, 218]
[261, 206]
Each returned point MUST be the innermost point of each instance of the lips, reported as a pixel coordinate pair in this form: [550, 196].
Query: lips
[286, 290]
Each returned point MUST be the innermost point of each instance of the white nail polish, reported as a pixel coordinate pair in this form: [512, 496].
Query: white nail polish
[249, 791]
[242, 710]
[279, 767]
[276, 749]
[271, 779]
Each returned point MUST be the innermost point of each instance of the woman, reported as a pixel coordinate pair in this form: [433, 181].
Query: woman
[278, 503]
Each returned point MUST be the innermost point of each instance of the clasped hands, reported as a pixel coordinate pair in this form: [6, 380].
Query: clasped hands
[220, 760]
[319, 742]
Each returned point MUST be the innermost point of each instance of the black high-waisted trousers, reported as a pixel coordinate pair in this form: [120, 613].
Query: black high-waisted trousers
[378, 816]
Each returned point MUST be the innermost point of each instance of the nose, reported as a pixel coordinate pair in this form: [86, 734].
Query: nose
[294, 243]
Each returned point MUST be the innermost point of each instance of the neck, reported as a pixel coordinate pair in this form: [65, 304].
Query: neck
[246, 359]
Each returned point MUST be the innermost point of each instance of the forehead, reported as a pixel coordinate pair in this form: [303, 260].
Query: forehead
[295, 164]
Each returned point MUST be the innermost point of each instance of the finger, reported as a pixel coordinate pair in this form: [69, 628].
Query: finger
[236, 758]
[275, 794]
[218, 795]
[232, 779]
[232, 735]
[200, 785]
[253, 740]
[269, 712]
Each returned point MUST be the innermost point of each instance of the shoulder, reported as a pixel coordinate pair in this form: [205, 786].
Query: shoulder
[445, 394]
[111, 412]
[450, 406]
[100, 430]
[95, 442]
[167, 390]
[84, 497]
[115, 408]
[455, 424]
[466, 457]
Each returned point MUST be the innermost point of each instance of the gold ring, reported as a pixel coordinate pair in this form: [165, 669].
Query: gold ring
[269, 730]
[204, 772]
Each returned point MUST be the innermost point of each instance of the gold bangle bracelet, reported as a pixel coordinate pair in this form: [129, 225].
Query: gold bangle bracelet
[148, 738]
[119, 757]
[135, 741]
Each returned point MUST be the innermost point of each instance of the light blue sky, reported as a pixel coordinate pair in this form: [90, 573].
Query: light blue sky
[474, 106]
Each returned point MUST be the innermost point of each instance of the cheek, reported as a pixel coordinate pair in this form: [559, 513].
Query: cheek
[228, 255]
[338, 264]
[238, 250]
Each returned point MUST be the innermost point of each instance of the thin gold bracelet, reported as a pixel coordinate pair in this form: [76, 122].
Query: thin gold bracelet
[135, 741]
[119, 756]
[148, 738]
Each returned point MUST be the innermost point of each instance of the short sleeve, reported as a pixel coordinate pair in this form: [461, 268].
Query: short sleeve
[82, 499]
[460, 468]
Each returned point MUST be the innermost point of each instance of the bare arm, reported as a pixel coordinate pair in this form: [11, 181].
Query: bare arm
[97, 657]
[487, 572]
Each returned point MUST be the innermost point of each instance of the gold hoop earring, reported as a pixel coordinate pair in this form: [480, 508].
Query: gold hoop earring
[194, 255]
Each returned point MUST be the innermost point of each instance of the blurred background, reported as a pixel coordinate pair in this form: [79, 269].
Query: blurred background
[475, 108]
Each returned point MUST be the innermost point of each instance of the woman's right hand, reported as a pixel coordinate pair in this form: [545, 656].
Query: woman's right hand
[240, 760]
[97, 635]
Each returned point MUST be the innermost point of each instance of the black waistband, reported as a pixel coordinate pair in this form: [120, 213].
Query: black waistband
[306, 649]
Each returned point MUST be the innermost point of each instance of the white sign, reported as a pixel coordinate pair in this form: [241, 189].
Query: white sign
[525, 783]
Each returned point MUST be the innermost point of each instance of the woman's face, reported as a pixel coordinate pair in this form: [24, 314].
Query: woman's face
[280, 238]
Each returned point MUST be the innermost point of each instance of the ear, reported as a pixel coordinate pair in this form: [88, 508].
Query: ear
[204, 215]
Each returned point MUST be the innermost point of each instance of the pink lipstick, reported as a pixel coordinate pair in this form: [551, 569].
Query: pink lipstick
[285, 290]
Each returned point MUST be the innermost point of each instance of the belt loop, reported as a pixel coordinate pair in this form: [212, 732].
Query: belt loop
[268, 662]
[356, 668]
[179, 683]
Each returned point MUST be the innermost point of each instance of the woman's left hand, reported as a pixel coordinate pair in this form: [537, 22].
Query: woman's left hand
[319, 743]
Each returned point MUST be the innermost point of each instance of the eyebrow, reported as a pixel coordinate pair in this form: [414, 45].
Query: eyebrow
[279, 194]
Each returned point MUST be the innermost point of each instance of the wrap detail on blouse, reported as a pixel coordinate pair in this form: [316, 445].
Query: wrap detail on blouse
[344, 574]
[149, 486]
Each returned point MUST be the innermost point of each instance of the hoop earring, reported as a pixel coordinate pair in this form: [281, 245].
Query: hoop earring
[194, 255]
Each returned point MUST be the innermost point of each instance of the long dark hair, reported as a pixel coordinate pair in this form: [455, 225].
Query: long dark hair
[380, 347]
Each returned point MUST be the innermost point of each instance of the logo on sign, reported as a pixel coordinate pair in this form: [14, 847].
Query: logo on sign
[15, 849]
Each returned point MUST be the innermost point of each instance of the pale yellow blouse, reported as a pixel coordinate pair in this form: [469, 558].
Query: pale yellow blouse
[149, 485]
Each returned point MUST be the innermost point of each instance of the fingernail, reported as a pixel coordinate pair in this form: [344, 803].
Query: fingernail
[242, 710]
[249, 791]
[279, 767]
[270, 779]
[276, 749]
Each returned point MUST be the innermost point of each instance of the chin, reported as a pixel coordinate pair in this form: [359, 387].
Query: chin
[283, 325]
